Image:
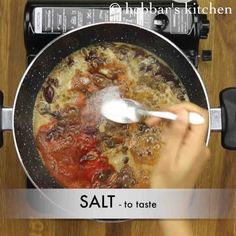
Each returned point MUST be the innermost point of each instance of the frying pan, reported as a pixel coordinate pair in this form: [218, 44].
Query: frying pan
[19, 119]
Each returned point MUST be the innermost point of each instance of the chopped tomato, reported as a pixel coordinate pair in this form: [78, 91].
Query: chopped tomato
[80, 100]
[72, 158]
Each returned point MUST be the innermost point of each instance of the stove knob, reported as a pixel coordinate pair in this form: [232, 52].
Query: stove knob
[205, 27]
[161, 22]
[206, 55]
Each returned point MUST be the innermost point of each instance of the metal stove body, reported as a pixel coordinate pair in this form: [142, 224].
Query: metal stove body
[47, 19]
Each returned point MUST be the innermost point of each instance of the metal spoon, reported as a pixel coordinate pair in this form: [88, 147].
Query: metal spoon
[127, 111]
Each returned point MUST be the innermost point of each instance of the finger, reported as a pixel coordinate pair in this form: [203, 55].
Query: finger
[174, 134]
[152, 121]
[188, 158]
[197, 133]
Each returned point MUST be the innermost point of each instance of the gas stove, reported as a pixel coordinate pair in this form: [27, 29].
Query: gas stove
[47, 19]
[44, 20]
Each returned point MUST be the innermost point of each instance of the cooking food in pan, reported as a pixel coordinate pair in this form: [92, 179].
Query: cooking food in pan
[78, 146]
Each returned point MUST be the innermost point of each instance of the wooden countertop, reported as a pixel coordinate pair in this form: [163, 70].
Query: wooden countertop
[220, 172]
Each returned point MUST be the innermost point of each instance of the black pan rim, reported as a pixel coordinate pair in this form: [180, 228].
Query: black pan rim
[88, 26]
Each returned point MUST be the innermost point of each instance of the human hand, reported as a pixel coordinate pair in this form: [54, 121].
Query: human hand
[184, 152]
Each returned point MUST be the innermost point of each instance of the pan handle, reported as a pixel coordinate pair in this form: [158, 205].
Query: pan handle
[5, 119]
[228, 114]
[1, 108]
[224, 118]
